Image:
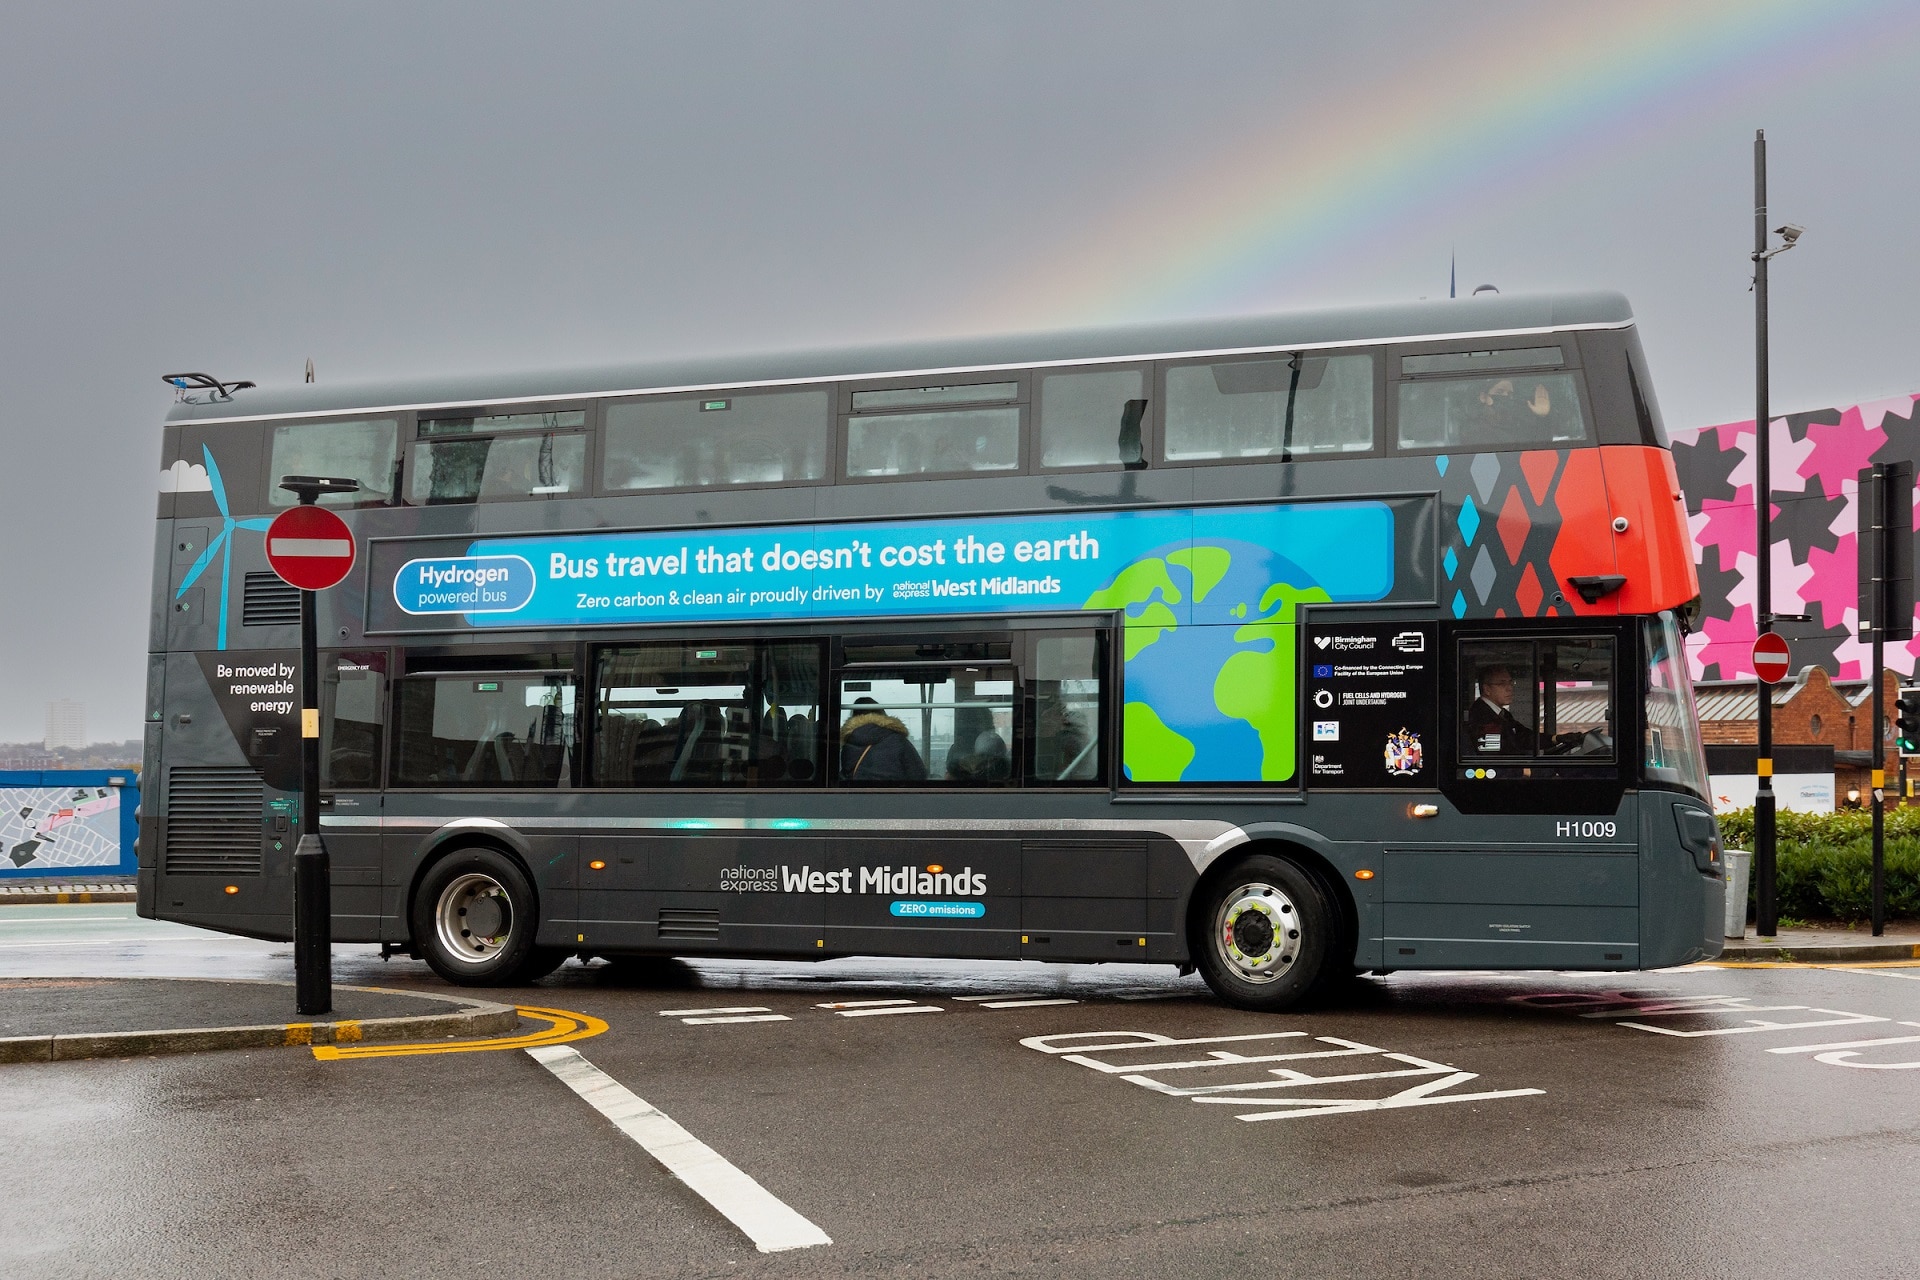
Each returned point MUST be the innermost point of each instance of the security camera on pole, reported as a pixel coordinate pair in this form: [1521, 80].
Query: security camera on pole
[311, 548]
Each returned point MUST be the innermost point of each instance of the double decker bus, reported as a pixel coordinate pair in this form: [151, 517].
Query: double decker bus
[1279, 647]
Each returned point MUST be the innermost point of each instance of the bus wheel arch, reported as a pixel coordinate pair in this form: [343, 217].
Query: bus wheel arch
[473, 912]
[1271, 925]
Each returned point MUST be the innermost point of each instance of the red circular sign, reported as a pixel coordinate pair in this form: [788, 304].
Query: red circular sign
[1770, 657]
[309, 547]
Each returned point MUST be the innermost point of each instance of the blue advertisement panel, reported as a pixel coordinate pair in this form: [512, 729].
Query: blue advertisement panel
[1208, 598]
[957, 565]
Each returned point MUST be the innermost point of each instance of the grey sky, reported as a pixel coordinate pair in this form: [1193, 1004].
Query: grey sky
[427, 188]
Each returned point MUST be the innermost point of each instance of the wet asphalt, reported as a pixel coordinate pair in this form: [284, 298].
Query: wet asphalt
[1693, 1122]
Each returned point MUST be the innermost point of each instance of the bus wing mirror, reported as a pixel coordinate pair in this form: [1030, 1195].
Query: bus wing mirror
[1132, 455]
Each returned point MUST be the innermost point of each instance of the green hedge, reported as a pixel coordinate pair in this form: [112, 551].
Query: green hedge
[1824, 868]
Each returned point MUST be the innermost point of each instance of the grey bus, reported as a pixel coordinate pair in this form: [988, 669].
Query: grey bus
[1281, 647]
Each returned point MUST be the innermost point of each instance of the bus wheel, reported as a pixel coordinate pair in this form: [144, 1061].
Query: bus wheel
[474, 919]
[1264, 935]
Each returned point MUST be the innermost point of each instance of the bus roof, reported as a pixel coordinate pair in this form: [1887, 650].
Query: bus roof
[1487, 315]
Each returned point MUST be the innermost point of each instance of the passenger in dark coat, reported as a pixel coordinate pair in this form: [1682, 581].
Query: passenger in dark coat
[874, 747]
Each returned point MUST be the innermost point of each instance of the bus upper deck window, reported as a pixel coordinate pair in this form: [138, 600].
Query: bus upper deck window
[1279, 407]
[1081, 414]
[493, 468]
[910, 431]
[1518, 410]
[777, 438]
[363, 451]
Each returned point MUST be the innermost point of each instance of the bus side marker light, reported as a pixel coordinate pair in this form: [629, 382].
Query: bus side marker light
[819, 942]
[1143, 942]
[1363, 874]
[1423, 810]
[934, 868]
[233, 888]
[597, 865]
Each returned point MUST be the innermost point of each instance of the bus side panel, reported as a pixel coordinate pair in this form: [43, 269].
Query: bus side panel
[223, 847]
[902, 918]
[1684, 909]
[1531, 892]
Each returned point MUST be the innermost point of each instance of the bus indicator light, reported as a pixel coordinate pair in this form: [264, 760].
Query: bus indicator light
[935, 868]
[233, 888]
[1363, 874]
[597, 865]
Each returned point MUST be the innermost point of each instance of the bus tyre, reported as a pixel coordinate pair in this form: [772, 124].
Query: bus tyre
[1264, 935]
[474, 919]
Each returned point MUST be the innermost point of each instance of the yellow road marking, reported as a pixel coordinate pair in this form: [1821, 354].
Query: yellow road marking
[562, 1026]
[1814, 964]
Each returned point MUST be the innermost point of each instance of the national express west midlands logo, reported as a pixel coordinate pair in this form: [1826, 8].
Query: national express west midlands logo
[932, 881]
[1404, 754]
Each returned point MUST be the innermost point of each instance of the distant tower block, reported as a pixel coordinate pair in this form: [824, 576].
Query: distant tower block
[66, 724]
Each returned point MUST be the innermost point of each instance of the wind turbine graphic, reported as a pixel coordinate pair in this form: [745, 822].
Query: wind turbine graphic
[222, 543]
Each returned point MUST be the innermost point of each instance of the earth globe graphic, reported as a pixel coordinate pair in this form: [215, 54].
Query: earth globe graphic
[1211, 699]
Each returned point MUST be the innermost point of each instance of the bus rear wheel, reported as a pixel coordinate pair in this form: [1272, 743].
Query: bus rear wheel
[474, 919]
[1263, 935]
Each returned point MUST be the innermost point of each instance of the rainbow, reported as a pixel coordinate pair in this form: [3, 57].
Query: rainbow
[1269, 212]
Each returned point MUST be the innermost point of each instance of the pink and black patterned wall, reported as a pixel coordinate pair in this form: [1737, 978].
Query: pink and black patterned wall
[1816, 460]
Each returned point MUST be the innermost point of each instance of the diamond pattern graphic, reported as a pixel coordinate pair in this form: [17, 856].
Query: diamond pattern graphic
[1451, 563]
[1469, 519]
[1459, 604]
[1486, 473]
[1539, 467]
[1513, 526]
[1441, 463]
[1484, 574]
[1528, 594]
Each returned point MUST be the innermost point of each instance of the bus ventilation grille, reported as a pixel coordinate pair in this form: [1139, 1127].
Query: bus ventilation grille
[213, 821]
[269, 602]
[689, 922]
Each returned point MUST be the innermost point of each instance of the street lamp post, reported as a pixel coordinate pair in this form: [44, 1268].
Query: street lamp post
[1764, 865]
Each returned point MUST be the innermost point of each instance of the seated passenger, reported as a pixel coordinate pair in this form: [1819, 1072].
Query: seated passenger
[874, 747]
[989, 761]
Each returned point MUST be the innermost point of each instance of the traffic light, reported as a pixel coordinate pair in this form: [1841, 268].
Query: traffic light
[1906, 729]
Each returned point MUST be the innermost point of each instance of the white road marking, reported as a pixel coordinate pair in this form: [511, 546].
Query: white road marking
[769, 1222]
[1023, 1004]
[693, 1013]
[1848, 1044]
[862, 1004]
[6, 921]
[1269, 1088]
[94, 942]
[747, 1017]
[875, 1013]
[1754, 1025]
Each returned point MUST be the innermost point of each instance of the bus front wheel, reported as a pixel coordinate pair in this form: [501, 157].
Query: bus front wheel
[474, 919]
[1264, 934]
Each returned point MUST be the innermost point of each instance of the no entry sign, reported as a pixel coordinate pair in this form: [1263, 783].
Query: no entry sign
[309, 547]
[1770, 657]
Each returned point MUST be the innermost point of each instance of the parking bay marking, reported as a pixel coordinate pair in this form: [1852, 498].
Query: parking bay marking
[1623, 1007]
[874, 1008]
[1268, 1099]
[736, 1013]
[768, 1221]
[1016, 1001]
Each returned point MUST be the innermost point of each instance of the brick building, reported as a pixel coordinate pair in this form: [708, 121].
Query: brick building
[1814, 715]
